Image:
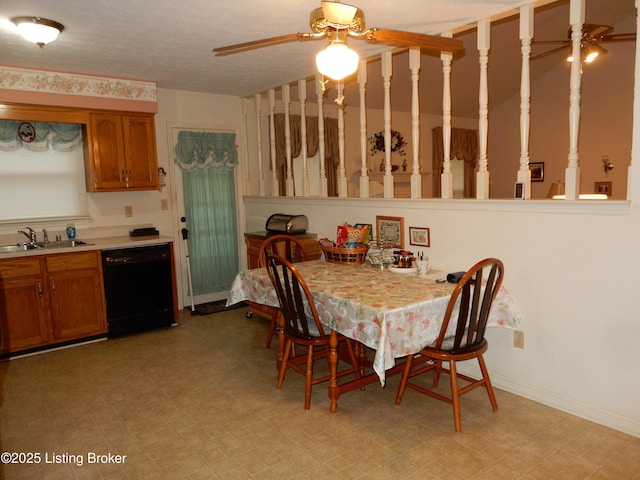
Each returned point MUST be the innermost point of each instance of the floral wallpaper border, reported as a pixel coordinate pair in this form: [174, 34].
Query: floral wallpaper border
[14, 78]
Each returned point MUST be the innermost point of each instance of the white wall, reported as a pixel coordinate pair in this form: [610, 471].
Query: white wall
[571, 269]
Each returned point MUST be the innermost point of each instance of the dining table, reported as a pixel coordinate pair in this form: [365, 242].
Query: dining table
[395, 312]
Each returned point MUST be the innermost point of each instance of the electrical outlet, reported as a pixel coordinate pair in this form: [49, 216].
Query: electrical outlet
[164, 204]
[518, 339]
[128, 211]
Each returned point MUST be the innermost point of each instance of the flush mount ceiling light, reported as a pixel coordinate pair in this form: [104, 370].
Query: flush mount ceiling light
[40, 31]
[337, 61]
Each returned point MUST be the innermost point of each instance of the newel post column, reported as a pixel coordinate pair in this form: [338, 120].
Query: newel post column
[364, 166]
[302, 96]
[446, 177]
[526, 34]
[324, 192]
[482, 177]
[416, 179]
[386, 82]
[572, 172]
[259, 140]
[275, 188]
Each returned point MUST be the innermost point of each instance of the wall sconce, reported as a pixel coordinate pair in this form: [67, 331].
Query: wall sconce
[40, 31]
[607, 165]
[162, 177]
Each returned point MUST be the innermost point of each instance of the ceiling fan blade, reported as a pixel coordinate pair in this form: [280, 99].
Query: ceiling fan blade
[410, 39]
[265, 42]
[596, 31]
[550, 52]
[619, 37]
[549, 42]
[338, 13]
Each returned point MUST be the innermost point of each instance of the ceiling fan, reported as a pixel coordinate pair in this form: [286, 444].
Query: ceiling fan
[592, 37]
[337, 21]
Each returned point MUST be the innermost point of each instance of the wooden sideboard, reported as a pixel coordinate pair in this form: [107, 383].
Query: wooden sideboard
[254, 241]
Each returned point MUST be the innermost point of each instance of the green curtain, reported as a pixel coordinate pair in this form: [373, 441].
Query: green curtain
[63, 137]
[207, 160]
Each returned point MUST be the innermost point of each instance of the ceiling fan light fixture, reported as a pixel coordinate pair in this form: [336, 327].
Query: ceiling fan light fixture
[40, 31]
[589, 53]
[337, 61]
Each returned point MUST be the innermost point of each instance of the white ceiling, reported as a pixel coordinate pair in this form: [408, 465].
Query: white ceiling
[171, 41]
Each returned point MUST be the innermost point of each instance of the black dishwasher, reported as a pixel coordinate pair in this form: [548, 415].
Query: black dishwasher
[138, 286]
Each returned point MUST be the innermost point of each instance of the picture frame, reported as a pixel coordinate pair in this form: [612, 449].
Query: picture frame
[537, 171]
[419, 236]
[518, 191]
[390, 231]
[602, 187]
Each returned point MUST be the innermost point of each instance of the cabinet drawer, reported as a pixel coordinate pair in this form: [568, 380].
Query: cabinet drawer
[19, 267]
[71, 261]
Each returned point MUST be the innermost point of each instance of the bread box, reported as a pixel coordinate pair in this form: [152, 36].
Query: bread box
[283, 223]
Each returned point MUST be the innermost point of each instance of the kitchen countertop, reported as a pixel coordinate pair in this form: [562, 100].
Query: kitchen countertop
[102, 243]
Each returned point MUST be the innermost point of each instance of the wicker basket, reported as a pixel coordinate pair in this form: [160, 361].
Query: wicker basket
[346, 255]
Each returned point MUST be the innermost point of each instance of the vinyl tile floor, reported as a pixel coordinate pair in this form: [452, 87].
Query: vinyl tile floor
[198, 401]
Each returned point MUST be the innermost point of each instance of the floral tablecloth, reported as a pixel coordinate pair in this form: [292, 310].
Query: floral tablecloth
[394, 314]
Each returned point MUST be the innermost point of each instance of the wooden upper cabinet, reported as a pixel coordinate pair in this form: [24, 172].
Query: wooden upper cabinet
[123, 152]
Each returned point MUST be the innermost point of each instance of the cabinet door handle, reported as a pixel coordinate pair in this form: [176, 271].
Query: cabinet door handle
[53, 287]
[40, 289]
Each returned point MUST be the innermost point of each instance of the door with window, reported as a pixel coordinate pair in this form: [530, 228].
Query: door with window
[205, 162]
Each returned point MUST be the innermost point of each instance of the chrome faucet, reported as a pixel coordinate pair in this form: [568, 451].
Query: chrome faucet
[31, 235]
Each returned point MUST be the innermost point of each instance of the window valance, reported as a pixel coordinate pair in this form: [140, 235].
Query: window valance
[39, 136]
[206, 150]
[313, 142]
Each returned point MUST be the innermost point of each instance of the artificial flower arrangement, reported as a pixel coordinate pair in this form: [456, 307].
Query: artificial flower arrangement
[397, 143]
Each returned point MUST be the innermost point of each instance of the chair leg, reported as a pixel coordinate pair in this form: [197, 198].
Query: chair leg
[308, 379]
[283, 365]
[487, 383]
[272, 327]
[403, 380]
[455, 395]
[436, 373]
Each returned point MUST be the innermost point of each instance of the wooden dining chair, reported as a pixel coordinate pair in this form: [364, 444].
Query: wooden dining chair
[461, 338]
[302, 327]
[291, 249]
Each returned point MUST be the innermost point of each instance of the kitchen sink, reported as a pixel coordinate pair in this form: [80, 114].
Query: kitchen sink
[62, 244]
[14, 248]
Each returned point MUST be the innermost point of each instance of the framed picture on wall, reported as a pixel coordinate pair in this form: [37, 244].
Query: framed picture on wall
[419, 236]
[390, 231]
[602, 187]
[537, 171]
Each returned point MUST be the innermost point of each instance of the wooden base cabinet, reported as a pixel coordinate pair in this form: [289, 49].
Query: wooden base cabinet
[50, 299]
[24, 319]
[77, 295]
